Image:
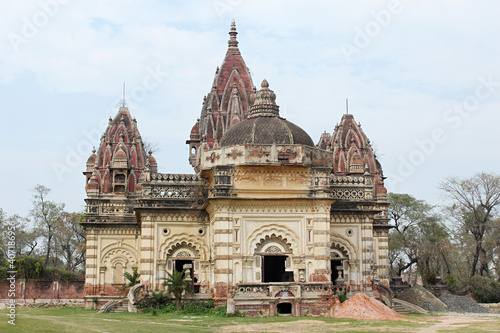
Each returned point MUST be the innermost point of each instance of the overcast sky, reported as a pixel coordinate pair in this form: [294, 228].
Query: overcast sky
[422, 78]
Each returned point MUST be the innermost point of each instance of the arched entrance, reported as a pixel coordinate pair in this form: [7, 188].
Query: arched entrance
[338, 262]
[183, 258]
[276, 259]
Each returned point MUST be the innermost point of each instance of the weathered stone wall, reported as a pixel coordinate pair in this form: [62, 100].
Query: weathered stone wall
[31, 289]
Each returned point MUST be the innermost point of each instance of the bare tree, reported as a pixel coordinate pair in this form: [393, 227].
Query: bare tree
[474, 203]
[26, 237]
[152, 147]
[71, 241]
[47, 215]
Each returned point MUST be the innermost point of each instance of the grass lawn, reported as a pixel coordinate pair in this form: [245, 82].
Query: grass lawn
[77, 320]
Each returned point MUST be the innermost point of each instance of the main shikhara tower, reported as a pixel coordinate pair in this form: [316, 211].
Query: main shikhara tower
[269, 219]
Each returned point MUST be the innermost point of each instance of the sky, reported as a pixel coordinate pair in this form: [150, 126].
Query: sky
[422, 78]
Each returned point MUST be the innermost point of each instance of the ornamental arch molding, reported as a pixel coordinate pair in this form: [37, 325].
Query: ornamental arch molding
[182, 250]
[273, 245]
[288, 237]
[183, 242]
[124, 253]
[343, 246]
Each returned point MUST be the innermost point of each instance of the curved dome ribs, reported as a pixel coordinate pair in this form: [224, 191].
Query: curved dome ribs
[120, 159]
[264, 126]
[226, 104]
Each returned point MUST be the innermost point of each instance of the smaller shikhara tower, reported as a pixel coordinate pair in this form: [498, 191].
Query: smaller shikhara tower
[120, 160]
[269, 219]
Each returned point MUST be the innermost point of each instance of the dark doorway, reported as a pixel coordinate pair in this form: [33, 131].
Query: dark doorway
[179, 264]
[274, 269]
[335, 272]
[284, 308]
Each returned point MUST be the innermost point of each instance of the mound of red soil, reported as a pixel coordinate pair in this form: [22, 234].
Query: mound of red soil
[362, 306]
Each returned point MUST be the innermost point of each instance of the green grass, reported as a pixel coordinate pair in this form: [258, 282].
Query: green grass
[75, 320]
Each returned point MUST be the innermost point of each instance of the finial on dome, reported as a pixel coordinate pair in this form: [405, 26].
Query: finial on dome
[93, 150]
[264, 102]
[232, 33]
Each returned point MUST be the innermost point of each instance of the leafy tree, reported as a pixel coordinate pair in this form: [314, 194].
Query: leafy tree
[492, 242]
[48, 217]
[419, 238]
[177, 284]
[474, 204]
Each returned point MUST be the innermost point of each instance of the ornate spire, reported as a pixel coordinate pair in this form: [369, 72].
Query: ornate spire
[228, 101]
[265, 102]
[233, 42]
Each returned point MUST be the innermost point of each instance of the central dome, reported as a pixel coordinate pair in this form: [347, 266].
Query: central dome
[264, 126]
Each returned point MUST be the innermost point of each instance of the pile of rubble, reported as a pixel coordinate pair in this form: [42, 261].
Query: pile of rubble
[420, 296]
[362, 306]
[462, 304]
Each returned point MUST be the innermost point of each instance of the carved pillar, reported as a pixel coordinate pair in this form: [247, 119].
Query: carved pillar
[161, 272]
[102, 282]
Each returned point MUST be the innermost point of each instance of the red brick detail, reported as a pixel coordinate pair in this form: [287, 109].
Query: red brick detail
[45, 289]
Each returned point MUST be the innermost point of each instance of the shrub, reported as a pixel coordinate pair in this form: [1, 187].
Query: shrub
[155, 300]
[484, 289]
[30, 267]
[342, 298]
[220, 311]
[33, 268]
[451, 282]
[197, 307]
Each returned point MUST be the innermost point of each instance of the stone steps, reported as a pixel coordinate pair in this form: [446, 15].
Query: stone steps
[115, 306]
[401, 306]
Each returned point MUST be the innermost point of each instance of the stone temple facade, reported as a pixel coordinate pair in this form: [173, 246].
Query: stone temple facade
[268, 219]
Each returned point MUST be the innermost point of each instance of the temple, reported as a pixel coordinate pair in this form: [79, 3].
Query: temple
[269, 219]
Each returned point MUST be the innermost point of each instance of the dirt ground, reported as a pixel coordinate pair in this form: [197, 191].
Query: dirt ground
[439, 323]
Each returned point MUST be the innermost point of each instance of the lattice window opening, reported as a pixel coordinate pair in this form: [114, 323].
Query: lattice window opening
[348, 194]
[171, 193]
[347, 180]
[273, 249]
[175, 177]
[183, 254]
